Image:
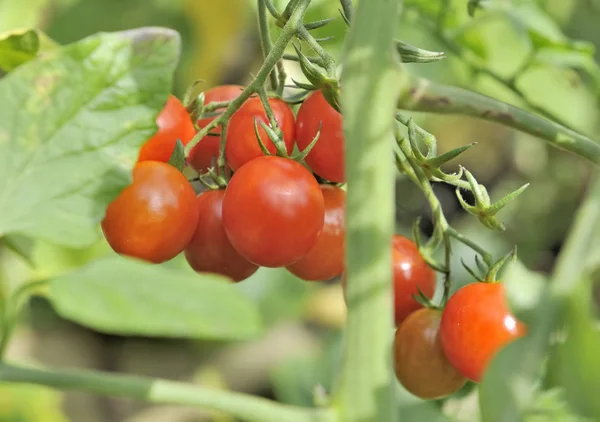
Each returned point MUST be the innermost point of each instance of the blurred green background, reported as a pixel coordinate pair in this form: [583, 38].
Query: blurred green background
[493, 54]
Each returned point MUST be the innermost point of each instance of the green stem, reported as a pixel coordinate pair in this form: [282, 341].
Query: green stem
[366, 384]
[290, 29]
[425, 95]
[485, 255]
[265, 37]
[328, 61]
[248, 408]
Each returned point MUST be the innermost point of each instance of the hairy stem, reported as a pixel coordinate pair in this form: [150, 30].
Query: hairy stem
[265, 38]
[425, 95]
[248, 408]
[365, 390]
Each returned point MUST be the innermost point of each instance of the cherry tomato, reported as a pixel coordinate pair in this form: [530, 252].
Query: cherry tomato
[273, 211]
[410, 271]
[327, 156]
[153, 218]
[173, 123]
[210, 250]
[242, 145]
[476, 324]
[419, 361]
[326, 259]
[206, 151]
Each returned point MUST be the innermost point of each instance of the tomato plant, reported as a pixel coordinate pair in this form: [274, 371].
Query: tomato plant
[411, 274]
[273, 211]
[154, 218]
[242, 145]
[326, 158]
[476, 324]
[326, 259]
[206, 151]
[419, 361]
[209, 249]
[174, 124]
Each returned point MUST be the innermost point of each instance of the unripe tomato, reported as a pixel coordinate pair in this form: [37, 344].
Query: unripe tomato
[173, 123]
[210, 250]
[273, 211]
[410, 271]
[327, 156]
[326, 259]
[206, 151]
[153, 218]
[242, 145]
[476, 324]
[419, 361]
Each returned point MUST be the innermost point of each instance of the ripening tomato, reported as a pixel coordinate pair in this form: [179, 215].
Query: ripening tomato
[273, 211]
[173, 123]
[410, 271]
[476, 324]
[210, 250]
[326, 259]
[153, 218]
[419, 361]
[327, 156]
[242, 145]
[206, 151]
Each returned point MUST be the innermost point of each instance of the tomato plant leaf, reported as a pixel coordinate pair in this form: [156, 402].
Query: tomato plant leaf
[70, 127]
[20, 46]
[129, 297]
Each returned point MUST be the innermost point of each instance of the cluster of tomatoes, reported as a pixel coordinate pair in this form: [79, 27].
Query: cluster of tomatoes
[274, 213]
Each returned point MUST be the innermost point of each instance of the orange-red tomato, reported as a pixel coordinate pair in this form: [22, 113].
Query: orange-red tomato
[476, 324]
[419, 361]
[206, 151]
[153, 218]
[273, 211]
[326, 259]
[173, 123]
[242, 145]
[410, 271]
[327, 156]
[210, 250]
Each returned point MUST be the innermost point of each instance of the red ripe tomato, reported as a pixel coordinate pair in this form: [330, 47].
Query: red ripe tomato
[273, 211]
[173, 123]
[210, 250]
[326, 259]
[419, 361]
[242, 145]
[476, 324]
[327, 156]
[206, 151]
[410, 271]
[153, 218]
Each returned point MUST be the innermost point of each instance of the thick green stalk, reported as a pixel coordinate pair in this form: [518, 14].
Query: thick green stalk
[425, 95]
[370, 85]
[245, 407]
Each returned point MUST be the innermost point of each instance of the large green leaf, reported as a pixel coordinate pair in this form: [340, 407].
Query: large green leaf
[130, 297]
[70, 126]
[18, 47]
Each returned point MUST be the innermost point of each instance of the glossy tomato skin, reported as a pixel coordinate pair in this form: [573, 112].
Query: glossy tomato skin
[206, 151]
[173, 123]
[326, 259]
[327, 156]
[242, 145]
[273, 211]
[410, 271]
[419, 361]
[210, 250]
[476, 324]
[153, 218]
